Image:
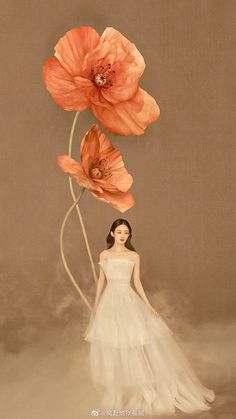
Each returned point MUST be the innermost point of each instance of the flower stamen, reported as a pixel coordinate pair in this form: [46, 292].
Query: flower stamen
[95, 173]
[100, 170]
[102, 75]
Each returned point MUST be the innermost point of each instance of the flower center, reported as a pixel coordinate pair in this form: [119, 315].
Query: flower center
[102, 75]
[100, 170]
[96, 173]
[99, 79]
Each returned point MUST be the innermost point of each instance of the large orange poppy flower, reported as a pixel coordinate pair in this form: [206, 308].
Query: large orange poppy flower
[102, 170]
[101, 73]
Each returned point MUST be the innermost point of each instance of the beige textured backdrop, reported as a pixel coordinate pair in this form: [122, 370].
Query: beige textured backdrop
[183, 167]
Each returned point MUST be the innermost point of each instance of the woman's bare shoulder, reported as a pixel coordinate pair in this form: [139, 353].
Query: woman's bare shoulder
[135, 255]
[103, 254]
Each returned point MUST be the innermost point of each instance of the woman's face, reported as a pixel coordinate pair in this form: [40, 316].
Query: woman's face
[121, 234]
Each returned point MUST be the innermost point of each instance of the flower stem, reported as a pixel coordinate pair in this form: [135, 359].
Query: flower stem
[76, 200]
[77, 206]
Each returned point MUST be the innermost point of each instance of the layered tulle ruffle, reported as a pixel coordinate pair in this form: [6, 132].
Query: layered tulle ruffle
[155, 377]
[134, 358]
[125, 321]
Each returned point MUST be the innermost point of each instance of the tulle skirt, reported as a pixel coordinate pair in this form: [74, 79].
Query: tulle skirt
[136, 362]
[157, 375]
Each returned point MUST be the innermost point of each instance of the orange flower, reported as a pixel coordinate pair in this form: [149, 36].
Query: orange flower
[102, 170]
[101, 73]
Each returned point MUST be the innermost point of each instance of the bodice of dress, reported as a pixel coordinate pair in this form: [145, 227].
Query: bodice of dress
[118, 271]
[122, 318]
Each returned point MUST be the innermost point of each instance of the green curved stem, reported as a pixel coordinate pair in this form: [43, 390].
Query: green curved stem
[63, 254]
[77, 206]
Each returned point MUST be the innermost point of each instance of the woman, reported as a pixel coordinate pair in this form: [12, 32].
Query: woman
[135, 361]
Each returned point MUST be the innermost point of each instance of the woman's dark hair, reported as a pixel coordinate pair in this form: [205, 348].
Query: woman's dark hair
[110, 239]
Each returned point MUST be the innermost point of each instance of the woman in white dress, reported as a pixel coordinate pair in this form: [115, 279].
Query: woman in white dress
[134, 359]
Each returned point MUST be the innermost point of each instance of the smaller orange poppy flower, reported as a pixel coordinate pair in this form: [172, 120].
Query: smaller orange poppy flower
[102, 170]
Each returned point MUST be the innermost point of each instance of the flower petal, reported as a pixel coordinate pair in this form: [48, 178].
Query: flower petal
[127, 65]
[71, 166]
[73, 47]
[95, 57]
[129, 117]
[119, 183]
[61, 86]
[119, 179]
[89, 148]
[97, 146]
[122, 201]
[124, 86]
[126, 50]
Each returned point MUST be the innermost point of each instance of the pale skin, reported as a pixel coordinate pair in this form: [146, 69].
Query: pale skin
[119, 249]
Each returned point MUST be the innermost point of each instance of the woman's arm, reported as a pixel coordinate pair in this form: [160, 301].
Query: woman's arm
[100, 286]
[138, 285]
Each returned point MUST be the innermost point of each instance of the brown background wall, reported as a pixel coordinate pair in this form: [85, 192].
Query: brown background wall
[183, 166]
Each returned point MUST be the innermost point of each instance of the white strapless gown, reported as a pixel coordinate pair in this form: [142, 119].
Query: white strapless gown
[134, 359]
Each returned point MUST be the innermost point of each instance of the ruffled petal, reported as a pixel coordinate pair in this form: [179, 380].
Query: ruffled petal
[119, 178]
[62, 88]
[89, 148]
[124, 86]
[116, 183]
[126, 50]
[122, 201]
[95, 58]
[71, 166]
[73, 47]
[126, 66]
[105, 145]
[96, 146]
[129, 117]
